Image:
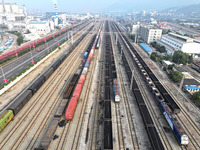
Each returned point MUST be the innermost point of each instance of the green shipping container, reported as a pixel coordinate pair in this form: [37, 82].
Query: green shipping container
[5, 118]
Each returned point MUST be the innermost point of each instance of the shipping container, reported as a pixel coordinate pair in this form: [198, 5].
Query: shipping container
[71, 108]
[89, 59]
[81, 81]
[84, 72]
[82, 76]
[85, 55]
[77, 90]
[87, 64]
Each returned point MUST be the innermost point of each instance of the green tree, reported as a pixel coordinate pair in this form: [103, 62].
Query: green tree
[171, 66]
[162, 49]
[181, 58]
[196, 96]
[167, 57]
[154, 56]
[19, 40]
[176, 76]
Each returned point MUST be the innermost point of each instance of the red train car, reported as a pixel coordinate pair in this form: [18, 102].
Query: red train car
[77, 90]
[71, 108]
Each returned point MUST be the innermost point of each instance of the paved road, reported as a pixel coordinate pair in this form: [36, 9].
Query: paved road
[16, 66]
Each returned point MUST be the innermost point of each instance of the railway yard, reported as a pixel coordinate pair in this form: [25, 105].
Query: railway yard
[101, 92]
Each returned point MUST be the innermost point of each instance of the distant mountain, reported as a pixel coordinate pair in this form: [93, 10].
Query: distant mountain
[191, 10]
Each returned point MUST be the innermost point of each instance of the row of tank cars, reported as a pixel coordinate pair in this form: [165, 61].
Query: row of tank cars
[165, 101]
[82, 72]
[37, 42]
[7, 115]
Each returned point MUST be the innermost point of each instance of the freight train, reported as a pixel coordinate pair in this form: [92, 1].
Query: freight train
[36, 42]
[83, 69]
[12, 110]
[166, 103]
[147, 119]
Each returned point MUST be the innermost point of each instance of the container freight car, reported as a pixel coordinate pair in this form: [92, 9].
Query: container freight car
[84, 65]
[71, 108]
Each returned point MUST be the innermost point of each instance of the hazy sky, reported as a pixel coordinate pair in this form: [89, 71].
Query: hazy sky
[101, 5]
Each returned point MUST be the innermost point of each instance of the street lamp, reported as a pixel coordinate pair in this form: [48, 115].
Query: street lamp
[32, 58]
[16, 53]
[4, 78]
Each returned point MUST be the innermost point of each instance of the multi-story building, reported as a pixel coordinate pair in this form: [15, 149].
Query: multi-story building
[11, 12]
[174, 42]
[135, 28]
[150, 34]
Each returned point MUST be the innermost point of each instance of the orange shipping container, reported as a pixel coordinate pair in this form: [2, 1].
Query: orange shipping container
[91, 55]
[77, 90]
[82, 76]
[89, 59]
[71, 108]
[81, 81]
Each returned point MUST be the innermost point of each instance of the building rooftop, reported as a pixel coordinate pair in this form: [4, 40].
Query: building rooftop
[191, 82]
[37, 22]
[145, 47]
[185, 39]
[167, 62]
[192, 87]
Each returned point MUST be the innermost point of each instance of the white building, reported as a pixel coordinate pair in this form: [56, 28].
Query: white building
[40, 28]
[11, 12]
[150, 34]
[135, 28]
[176, 42]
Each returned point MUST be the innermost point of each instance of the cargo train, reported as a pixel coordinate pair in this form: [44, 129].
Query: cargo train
[7, 115]
[83, 67]
[166, 103]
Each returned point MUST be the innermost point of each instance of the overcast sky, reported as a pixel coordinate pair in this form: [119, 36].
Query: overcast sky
[101, 5]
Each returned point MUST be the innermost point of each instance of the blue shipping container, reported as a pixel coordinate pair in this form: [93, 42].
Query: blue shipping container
[85, 55]
[87, 64]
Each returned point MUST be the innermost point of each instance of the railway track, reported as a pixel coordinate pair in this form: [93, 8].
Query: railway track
[193, 140]
[85, 105]
[69, 136]
[157, 123]
[133, 138]
[185, 120]
[150, 107]
[94, 142]
[24, 132]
